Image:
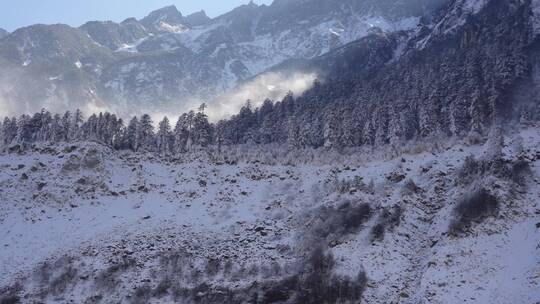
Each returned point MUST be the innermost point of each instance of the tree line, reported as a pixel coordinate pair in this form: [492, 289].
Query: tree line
[191, 130]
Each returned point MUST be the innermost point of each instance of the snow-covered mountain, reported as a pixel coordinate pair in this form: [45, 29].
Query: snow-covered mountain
[409, 174]
[169, 60]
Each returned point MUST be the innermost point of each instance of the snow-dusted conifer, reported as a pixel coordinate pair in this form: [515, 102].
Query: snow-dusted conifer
[145, 134]
[164, 137]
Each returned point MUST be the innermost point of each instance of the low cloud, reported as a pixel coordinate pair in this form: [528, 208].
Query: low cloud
[272, 86]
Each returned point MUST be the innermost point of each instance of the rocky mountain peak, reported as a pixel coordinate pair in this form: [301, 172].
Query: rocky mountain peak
[168, 11]
[198, 18]
[167, 15]
[165, 20]
[130, 21]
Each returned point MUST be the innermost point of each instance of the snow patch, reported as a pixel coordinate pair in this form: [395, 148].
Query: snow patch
[336, 32]
[132, 48]
[172, 28]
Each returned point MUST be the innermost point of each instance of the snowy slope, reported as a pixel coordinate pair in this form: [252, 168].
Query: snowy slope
[84, 223]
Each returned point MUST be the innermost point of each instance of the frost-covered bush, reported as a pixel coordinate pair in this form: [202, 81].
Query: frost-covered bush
[473, 207]
[387, 220]
[10, 295]
[351, 185]
[10, 299]
[318, 284]
[92, 159]
[107, 279]
[315, 283]
[310, 280]
[520, 171]
[410, 187]
[377, 232]
[473, 170]
[470, 168]
[338, 222]
[142, 294]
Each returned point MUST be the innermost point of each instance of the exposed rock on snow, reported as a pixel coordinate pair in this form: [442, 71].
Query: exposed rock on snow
[147, 230]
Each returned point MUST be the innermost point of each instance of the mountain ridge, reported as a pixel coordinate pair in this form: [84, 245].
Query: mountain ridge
[176, 61]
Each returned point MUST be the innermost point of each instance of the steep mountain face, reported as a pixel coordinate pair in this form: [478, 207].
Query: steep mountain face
[474, 64]
[167, 59]
[113, 35]
[50, 66]
[425, 194]
[244, 43]
[3, 33]
[53, 46]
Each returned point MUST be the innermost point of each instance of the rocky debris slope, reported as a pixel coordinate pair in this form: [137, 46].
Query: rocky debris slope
[447, 223]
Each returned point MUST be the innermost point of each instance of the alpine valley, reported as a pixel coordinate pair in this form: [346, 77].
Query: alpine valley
[349, 151]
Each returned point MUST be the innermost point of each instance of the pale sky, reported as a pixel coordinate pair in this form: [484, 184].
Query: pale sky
[18, 13]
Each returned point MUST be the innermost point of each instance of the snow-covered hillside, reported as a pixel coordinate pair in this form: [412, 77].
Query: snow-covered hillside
[452, 222]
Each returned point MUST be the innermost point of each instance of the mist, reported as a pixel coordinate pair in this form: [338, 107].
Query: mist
[272, 85]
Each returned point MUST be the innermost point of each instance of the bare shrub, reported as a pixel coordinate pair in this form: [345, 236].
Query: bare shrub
[10, 299]
[55, 278]
[387, 220]
[312, 281]
[10, 295]
[281, 291]
[107, 279]
[520, 171]
[317, 284]
[410, 188]
[473, 169]
[60, 283]
[212, 267]
[474, 207]
[351, 185]
[377, 232]
[205, 293]
[163, 287]
[470, 168]
[172, 262]
[346, 219]
[142, 294]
